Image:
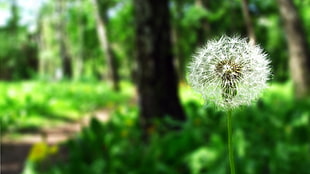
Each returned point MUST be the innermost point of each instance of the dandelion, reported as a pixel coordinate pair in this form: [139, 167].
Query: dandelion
[229, 72]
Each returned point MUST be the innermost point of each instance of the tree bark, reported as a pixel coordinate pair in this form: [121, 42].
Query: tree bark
[61, 32]
[79, 54]
[156, 76]
[248, 21]
[101, 19]
[299, 55]
[176, 31]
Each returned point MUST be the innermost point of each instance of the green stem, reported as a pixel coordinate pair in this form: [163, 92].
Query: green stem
[230, 146]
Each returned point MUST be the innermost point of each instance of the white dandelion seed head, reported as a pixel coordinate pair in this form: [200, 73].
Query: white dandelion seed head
[229, 72]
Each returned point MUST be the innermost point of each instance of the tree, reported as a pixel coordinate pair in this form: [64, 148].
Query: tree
[13, 21]
[248, 21]
[61, 33]
[48, 45]
[299, 55]
[101, 8]
[156, 76]
[77, 12]
[177, 32]
[9, 45]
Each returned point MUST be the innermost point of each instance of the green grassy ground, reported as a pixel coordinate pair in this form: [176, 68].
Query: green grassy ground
[31, 104]
[271, 136]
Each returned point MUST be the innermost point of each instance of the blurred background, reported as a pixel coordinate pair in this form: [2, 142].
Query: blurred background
[99, 86]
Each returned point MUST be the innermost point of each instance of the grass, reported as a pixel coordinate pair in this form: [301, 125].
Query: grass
[271, 136]
[30, 105]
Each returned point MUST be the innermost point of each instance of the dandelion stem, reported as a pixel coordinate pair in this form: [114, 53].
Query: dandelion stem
[230, 146]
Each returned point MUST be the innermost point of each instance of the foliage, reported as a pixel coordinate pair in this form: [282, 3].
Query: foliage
[122, 36]
[269, 138]
[25, 52]
[29, 105]
[17, 48]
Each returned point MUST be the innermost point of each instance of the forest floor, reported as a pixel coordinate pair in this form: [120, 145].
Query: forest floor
[14, 151]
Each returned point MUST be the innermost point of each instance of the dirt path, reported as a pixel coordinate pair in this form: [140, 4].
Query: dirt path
[15, 151]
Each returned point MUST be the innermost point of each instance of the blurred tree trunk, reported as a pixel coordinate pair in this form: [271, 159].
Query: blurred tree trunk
[61, 33]
[80, 39]
[176, 35]
[46, 49]
[41, 46]
[40, 41]
[156, 76]
[204, 28]
[248, 21]
[298, 48]
[102, 20]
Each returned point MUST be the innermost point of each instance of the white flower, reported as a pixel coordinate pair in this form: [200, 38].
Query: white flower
[229, 72]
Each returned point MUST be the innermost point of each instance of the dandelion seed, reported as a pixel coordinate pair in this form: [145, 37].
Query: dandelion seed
[229, 72]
